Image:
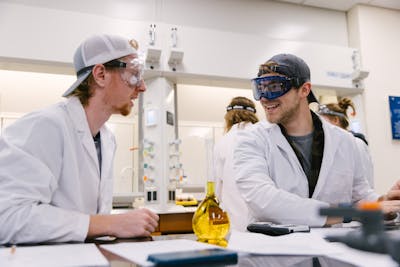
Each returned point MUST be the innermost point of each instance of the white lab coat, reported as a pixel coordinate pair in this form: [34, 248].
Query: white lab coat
[50, 178]
[274, 186]
[366, 160]
[226, 189]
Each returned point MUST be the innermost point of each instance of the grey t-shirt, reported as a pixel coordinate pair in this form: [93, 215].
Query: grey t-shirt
[303, 145]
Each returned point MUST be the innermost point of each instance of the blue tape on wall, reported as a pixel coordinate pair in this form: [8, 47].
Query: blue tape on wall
[394, 104]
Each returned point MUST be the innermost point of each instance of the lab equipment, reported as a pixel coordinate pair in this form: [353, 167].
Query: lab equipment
[156, 134]
[174, 37]
[171, 190]
[210, 223]
[151, 116]
[268, 228]
[372, 236]
[152, 34]
[150, 190]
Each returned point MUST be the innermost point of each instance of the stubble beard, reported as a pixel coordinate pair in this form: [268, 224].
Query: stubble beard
[125, 110]
[286, 115]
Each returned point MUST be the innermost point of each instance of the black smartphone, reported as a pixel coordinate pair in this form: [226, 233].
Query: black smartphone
[276, 229]
[212, 256]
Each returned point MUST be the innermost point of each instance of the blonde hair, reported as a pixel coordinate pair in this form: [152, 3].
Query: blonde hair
[234, 116]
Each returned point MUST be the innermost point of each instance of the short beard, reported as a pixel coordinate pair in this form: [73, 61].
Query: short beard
[125, 110]
[287, 115]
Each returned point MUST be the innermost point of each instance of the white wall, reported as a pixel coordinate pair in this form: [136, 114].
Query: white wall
[254, 17]
[223, 41]
[375, 31]
[35, 34]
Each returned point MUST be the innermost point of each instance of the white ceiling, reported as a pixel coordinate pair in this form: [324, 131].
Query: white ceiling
[345, 5]
[95, 7]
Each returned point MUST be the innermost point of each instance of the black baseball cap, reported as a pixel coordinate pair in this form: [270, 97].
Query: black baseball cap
[293, 67]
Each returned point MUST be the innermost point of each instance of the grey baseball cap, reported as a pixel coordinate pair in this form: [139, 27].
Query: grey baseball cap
[293, 67]
[97, 49]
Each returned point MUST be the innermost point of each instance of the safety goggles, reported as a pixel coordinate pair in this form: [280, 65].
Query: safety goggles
[134, 73]
[271, 87]
[324, 110]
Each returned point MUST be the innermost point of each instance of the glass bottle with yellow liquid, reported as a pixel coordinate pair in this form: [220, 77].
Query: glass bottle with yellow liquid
[210, 223]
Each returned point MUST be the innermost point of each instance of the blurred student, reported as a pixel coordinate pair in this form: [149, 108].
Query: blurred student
[240, 115]
[337, 115]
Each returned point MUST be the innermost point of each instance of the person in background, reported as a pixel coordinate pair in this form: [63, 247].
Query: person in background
[337, 115]
[56, 164]
[288, 169]
[240, 115]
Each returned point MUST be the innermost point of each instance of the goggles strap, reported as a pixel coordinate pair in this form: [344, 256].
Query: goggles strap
[324, 110]
[115, 64]
[84, 70]
[229, 108]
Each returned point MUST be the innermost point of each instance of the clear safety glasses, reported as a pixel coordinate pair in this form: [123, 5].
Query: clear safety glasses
[271, 87]
[134, 70]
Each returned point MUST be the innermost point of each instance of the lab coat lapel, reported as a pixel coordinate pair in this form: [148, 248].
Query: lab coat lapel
[330, 148]
[79, 120]
[107, 151]
[106, 182]
[284, 146]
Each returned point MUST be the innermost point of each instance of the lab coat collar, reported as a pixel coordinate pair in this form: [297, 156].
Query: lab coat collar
[107, 150]
[279, 139]
[330, 149]
[79, 120]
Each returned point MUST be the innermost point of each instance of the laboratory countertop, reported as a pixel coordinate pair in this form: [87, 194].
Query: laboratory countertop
[244, 259]
[351, 258]
[168, 209]
[97, 252]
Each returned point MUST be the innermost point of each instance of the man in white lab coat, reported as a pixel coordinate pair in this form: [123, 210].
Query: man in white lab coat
[286, 171]
[56, 164]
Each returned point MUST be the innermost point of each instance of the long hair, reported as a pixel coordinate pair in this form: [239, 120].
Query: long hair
[240, 109]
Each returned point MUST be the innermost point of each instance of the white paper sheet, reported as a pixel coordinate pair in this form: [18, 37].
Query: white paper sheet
[293, 244]
[363, 258]
[139, 251]
[53, 255]
[299, 244]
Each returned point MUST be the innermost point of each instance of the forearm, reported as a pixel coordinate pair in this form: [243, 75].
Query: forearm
[100, 225]
[138, 222]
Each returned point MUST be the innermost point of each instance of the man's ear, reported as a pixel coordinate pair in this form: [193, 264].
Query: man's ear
[305, 89]
[99, 74]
